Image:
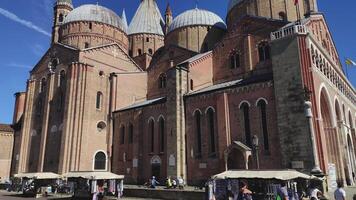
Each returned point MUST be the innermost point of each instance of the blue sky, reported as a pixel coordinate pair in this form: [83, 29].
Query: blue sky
[25, 39]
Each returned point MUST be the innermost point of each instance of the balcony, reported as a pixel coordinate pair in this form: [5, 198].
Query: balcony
[289, 31]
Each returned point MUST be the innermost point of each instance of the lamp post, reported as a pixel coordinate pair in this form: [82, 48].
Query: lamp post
[255, 147]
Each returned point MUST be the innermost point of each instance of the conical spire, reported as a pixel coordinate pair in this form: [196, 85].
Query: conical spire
[168, 10]
[124, 20]
[148, 19]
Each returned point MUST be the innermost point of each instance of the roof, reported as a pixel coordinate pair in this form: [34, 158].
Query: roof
[39, 175]
[232, 4]
[283, 175]
[234, 83]
[197, 17]
[93, 175]
[144, 103]
[147, 19]
[124, 21]
[94, 13]
[196, 57]
[6, 128]
[242, 145]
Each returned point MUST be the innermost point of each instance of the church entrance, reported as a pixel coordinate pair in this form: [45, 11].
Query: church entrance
[237, 156]
[156, 167]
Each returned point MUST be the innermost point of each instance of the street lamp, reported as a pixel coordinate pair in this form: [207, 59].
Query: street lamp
[255, 147]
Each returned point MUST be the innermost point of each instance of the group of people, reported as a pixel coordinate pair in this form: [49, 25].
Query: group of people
[171, 183]
[284, 194]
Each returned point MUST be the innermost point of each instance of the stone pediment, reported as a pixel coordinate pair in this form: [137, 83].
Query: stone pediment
[171, 53]
[318, 27]
[62, 53]
[111, 55]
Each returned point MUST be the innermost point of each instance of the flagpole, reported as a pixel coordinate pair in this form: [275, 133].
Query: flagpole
[346, 68]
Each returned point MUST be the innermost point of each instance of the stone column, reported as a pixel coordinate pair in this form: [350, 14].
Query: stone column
[26, 128]
[45, 121]
[309, 115]
[176, 152]
[67, 121]
[223, 123]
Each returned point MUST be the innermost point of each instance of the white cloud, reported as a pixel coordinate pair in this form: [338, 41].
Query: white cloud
[18, 65]
[28, 24]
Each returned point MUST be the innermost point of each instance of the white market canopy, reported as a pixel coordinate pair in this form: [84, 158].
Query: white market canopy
[92, 175]
[283, 175]
[38, 175]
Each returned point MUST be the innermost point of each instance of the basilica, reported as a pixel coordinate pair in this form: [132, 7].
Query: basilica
[188, 94]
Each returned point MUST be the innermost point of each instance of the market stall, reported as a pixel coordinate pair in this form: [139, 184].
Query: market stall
[38, 184]
[263, 183]
[94, 183]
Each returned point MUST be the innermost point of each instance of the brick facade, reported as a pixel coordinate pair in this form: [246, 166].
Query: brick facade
[183, 111]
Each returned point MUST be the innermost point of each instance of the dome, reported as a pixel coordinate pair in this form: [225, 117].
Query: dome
[197, 17]
[232, 4]
[94, 13]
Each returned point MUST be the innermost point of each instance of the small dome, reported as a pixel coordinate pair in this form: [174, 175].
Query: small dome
[94, 13]
[197, 17]
[232, 4]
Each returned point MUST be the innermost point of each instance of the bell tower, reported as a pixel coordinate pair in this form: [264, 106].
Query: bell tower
[61, 10]
[168, 16]
[286, 10]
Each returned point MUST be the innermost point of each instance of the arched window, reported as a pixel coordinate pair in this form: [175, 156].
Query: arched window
[147, 39]
[62, 79]
[86, 45]
[60, 18]
[122, 134]
[264, 51]
[100, 161]
[197, 117]
[61, 99]
[43, 85]
[191, 84]
[139, 51]
[150, 51]
[161, 134]
[151, 126]
[90, 26]
[245, 108]
[235, 61]
[211, 130]
[162, 81]
[131, 133]
[262, 106]
[99, 99]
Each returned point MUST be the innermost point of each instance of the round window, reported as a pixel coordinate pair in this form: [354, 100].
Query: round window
[101, 126]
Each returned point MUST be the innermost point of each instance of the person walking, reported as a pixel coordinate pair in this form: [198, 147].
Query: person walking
[282, 192]
[245, 193]
[314, 192]
[340, 193]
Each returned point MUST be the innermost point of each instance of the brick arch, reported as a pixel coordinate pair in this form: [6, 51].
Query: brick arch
[330, 132]
[261, 99]
[338, 110]
[244, 101]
